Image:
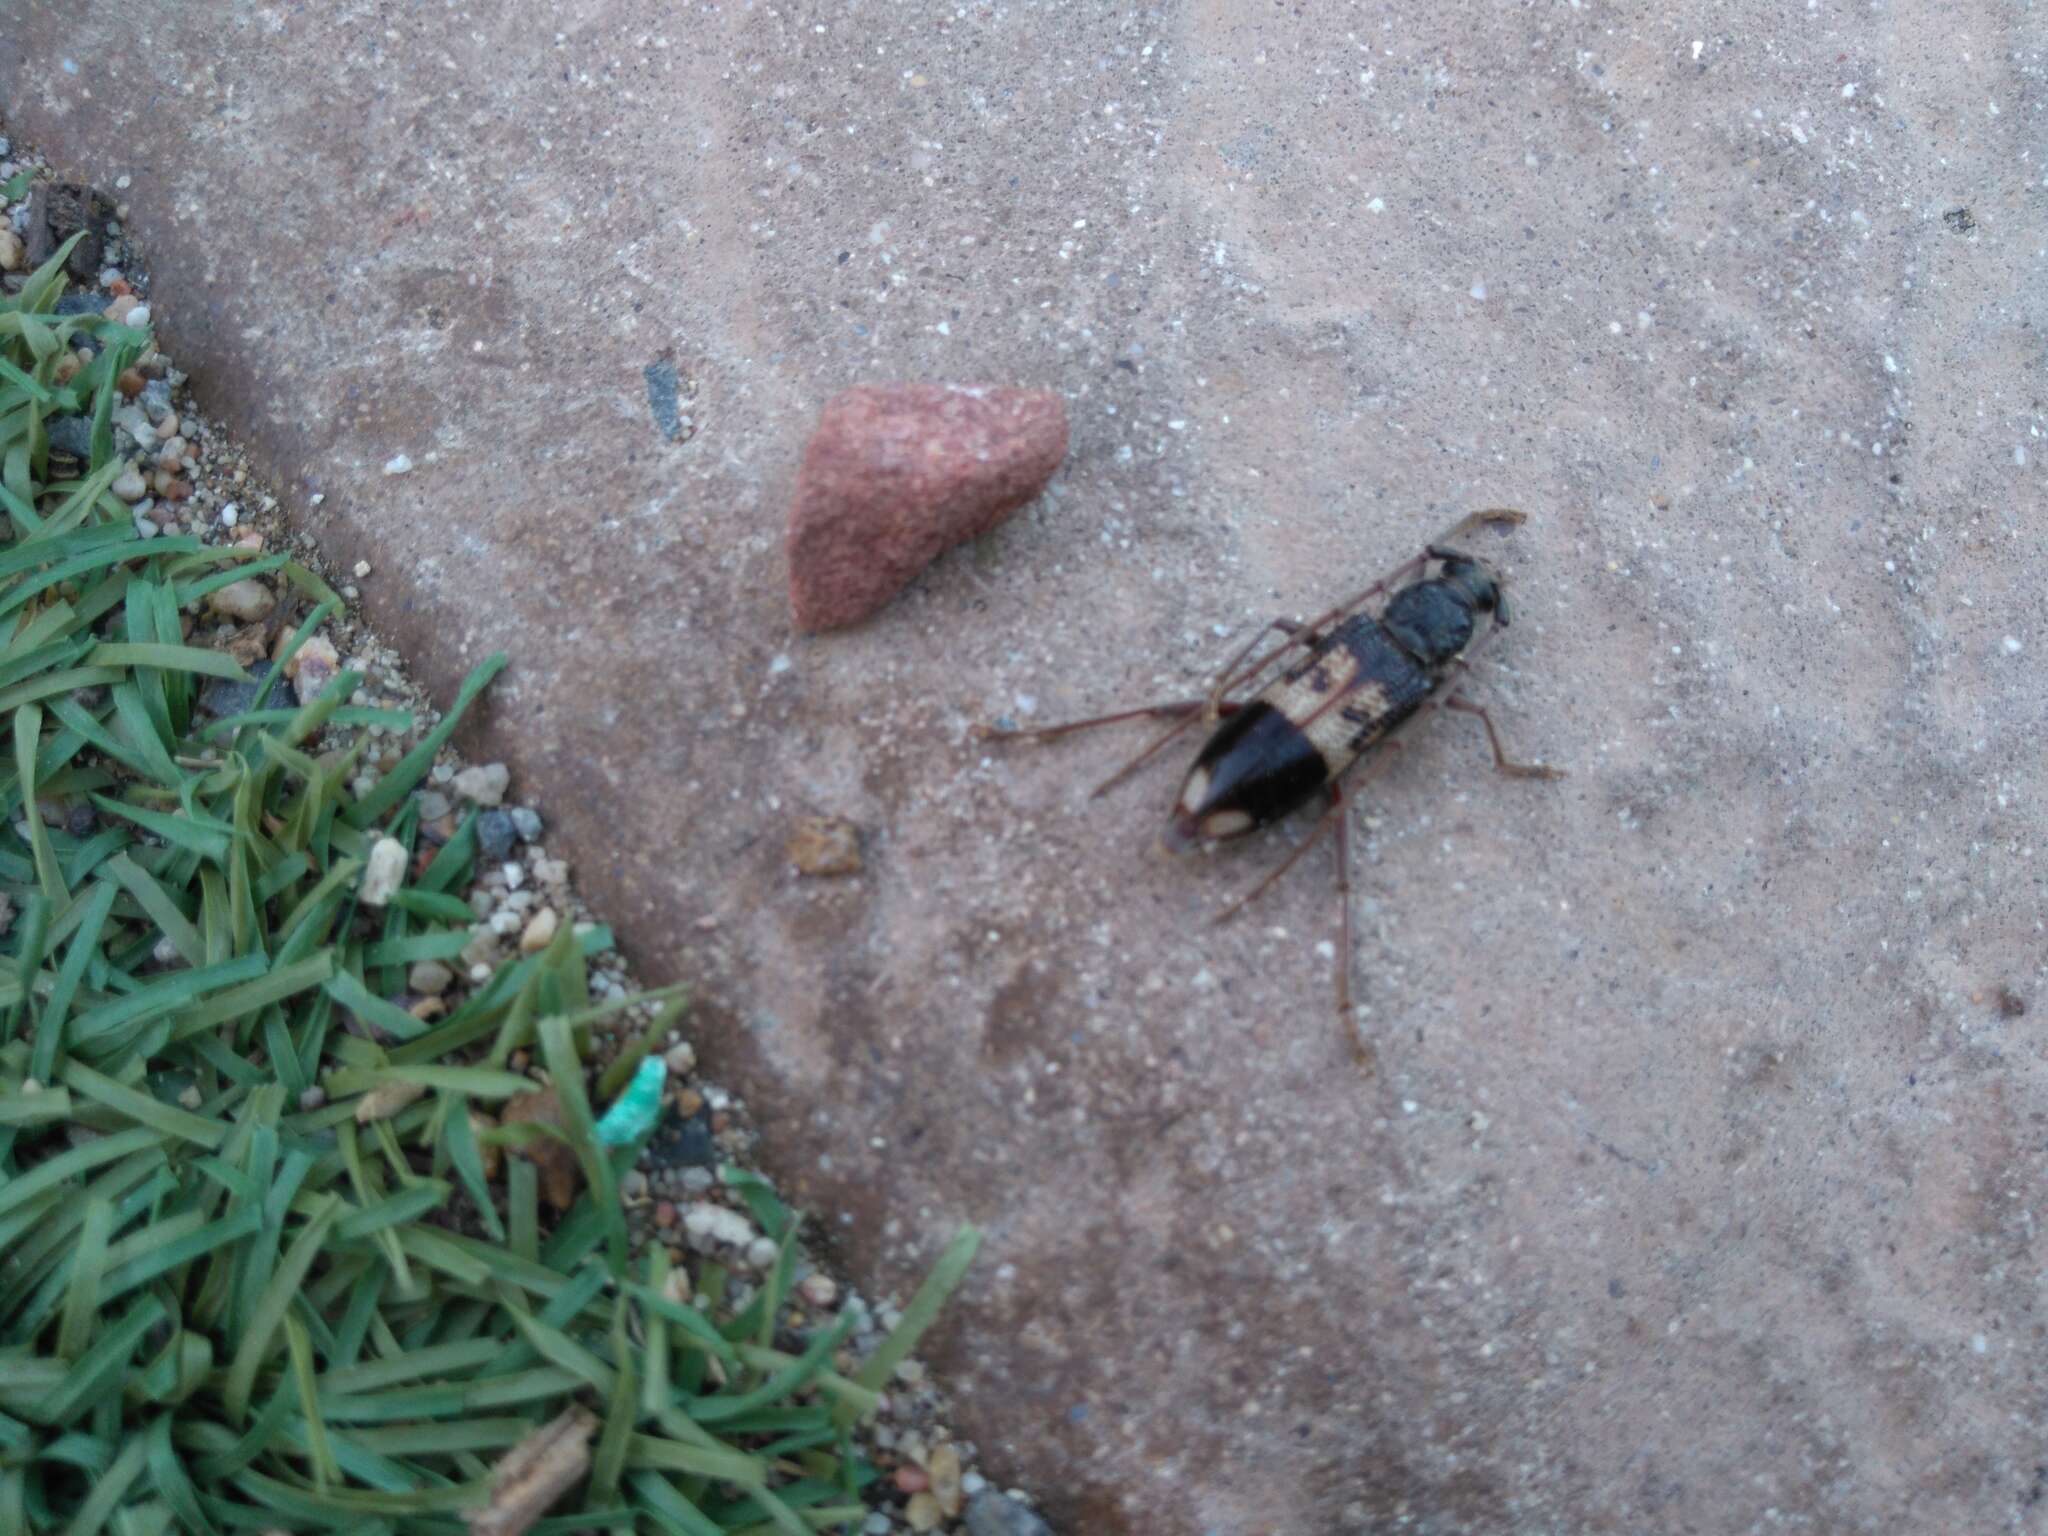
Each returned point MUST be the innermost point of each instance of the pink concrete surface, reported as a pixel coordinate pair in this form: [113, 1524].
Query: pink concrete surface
[1697, 1190]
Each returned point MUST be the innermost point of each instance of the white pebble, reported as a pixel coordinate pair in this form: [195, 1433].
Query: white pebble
[230, 515]
[718, 1224]
[485, 785]
[1478, 291]
[398, 465]
[362, 569]
[383, 873]
[762, 1253]
[138, 316]
[243, 601]
[2012, 645]
[429, 978]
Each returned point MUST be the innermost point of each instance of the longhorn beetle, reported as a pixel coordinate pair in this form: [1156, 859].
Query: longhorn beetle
[1344, 683]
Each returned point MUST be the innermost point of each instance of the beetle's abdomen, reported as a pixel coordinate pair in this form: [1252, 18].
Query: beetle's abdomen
[1255, 769]
[1308, 726]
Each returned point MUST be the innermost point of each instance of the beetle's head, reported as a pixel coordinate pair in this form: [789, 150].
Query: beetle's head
[1475, 581]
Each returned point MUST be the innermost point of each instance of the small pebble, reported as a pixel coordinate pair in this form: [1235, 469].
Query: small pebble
[398, 465]
[762, 1252]
[485, 785]
[129, 484]
[430, 978]
[681, 1058]
[139, 316]
[313, 1098]
[540, 932]
[719, 1224]
[13, 254]
[944, 1466]
[820, 1290]
[383, 872]
[122, 308]
[527, 823]
[244, 601]
[997, 1514]
[222, 697]
[496, 832]
[910, 1479]
[130, 383]
[665, 1214]
[191, 1098]
[312, 667]
[922, 1513]
[434, 805]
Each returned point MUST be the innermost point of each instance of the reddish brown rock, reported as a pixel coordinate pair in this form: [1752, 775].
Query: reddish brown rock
[896, 475]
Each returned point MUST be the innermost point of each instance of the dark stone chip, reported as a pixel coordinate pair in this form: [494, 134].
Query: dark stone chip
[221, 698]
[495, 834]
[680, 1143]
[72, 436]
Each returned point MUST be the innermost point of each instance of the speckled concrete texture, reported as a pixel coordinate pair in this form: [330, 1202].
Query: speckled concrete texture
[1698, 1188]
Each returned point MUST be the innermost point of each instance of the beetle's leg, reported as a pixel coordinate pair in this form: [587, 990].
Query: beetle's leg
[1485, 517]
[1347, 1022]
[1186, 711]
[1322, 825]
[1384, 755]
[1501, 762]
[1172, 709]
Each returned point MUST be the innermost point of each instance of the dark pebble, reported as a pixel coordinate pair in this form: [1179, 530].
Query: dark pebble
[997, 1514]
[221, 698]
[81, 820]
[495, 835]
[71, 435]
[156, 399]
[76, 303]
[679, 1143]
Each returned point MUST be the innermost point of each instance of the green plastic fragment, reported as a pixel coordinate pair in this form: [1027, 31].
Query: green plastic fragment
[634, 1111]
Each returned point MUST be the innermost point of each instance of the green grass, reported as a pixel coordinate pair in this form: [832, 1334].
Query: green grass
[223, 1311]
